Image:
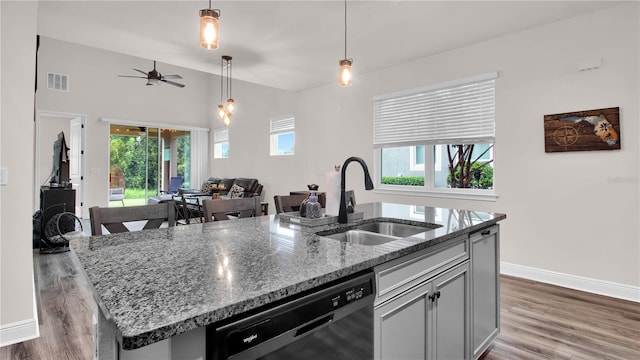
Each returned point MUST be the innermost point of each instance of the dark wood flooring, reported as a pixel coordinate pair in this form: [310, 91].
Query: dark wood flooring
[539, 321]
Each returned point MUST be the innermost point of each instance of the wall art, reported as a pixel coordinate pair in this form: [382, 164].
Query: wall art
[582, 130]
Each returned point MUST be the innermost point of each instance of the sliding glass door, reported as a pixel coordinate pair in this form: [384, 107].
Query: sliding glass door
[143, 161]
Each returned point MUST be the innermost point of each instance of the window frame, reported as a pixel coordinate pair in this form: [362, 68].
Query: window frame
[428, 189]
[219, 141]
[433, 155]
[279, 126]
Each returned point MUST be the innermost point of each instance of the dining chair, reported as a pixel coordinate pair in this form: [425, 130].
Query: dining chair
[288, 203]
[220, 209]
[114, 218]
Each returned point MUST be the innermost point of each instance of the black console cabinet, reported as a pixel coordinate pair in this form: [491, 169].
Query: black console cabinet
[55, 200]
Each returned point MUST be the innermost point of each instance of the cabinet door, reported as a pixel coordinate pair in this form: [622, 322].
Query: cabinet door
[450, 314]
[400, 326]
[485, 272]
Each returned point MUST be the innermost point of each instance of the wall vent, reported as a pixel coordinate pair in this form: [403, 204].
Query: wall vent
[57, 82]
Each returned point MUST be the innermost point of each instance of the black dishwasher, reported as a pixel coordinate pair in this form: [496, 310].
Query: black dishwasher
[332, 322]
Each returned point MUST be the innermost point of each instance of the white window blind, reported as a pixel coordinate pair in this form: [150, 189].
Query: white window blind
[283, 124]
[220, 135]
[456, 112]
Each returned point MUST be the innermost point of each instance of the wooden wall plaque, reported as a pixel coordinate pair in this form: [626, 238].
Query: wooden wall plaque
[582, 130]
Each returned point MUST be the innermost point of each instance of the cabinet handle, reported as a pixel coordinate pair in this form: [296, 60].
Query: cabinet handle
[485, 232]
[434, 296]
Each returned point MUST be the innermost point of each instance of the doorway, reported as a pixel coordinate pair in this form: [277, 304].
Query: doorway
[48, 125]
[143, 159]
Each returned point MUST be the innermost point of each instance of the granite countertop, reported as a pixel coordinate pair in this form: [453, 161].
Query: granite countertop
[155, 284]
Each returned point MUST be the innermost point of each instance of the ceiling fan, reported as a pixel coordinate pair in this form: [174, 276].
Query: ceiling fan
[155, 78]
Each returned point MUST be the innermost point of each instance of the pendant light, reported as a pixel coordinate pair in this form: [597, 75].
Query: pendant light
[344, 75]
[225, 112]
[231, 104]
[209, 35]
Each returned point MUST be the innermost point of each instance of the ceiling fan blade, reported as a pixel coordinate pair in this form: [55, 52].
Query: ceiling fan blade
[137, 77]
[140, 71]
[173, 83]
[172, 77]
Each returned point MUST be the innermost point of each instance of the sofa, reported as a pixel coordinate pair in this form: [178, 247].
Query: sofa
[245, 187]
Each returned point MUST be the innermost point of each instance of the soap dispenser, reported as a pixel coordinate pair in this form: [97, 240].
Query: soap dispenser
[303, 205]
[314, 209]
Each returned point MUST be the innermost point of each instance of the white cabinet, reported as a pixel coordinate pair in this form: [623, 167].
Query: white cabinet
[485, 289]
[429, 321]
[424, 312]
[450, 314]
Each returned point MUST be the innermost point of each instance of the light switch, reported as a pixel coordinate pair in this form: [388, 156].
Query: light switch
[4, 176]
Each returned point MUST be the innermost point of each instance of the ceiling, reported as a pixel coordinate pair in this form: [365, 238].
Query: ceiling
[295, 45]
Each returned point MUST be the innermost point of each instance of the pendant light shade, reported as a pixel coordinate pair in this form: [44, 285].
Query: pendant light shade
[221, 112]
[344, 74]
[209, 35]
[231, 105]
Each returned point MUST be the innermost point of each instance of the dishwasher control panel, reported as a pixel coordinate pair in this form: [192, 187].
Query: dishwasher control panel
[350, 295]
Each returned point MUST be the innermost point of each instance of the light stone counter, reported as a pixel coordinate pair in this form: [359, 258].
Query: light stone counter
[156, 284]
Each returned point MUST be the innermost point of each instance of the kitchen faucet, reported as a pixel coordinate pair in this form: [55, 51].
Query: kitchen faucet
[368, 185]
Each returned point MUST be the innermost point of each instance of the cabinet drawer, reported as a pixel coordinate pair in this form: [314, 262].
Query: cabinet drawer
[484, 233]
[401, 274]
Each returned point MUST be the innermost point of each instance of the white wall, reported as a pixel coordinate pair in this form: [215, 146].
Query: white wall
[249, 138]
[98, 92]
[18, 319]
[573, 213]
[95, 90]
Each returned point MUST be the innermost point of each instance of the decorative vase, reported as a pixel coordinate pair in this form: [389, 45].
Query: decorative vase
[314, 209]
[303, 205]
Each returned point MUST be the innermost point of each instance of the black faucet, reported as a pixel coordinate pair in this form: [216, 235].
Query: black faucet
[368, 184]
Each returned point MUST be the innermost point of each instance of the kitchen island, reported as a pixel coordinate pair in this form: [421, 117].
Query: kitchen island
[156, 286]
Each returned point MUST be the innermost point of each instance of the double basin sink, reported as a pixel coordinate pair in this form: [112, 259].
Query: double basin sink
[377, 231]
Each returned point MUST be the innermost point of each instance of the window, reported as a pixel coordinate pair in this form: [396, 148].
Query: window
[221, 144]
[283, 135]
[421, 134]
[416, 157]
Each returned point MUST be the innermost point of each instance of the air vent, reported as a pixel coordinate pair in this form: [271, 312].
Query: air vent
[57, 82]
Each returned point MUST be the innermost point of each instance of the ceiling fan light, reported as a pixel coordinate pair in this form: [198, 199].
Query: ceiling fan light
[209, 35]
[344, 78]
[231, 105]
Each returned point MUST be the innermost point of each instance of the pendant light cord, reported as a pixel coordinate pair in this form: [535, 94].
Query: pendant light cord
[221, 78]
[227, 78]
[345, 29]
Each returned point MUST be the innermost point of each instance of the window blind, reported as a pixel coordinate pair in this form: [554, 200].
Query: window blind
[283, 124]
[220, 135]
[457, 112]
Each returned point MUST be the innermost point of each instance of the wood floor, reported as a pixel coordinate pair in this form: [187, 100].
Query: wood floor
[539, 321]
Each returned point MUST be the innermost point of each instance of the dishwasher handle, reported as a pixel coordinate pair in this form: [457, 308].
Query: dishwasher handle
[314, 325]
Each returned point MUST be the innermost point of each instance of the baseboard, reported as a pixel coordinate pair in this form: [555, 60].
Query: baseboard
[607, 288]
[23, 330]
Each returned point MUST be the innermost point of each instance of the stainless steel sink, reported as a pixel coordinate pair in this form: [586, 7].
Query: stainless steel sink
[362, 237]
[376, 232]
[392, 229]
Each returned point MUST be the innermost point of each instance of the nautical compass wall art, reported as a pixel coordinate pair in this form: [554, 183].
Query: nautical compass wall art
[582, 130]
